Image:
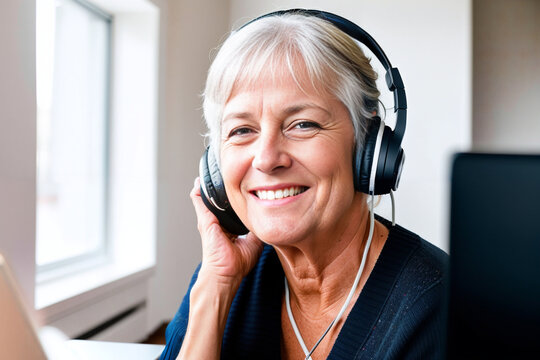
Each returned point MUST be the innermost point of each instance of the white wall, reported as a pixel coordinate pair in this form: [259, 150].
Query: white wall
[18, 140]
[430, 42]
[506, 78]
[192, 29]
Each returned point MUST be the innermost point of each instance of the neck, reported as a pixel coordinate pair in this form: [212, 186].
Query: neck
[321, 270]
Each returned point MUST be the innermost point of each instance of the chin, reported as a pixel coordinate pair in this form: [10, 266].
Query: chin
[276, 235]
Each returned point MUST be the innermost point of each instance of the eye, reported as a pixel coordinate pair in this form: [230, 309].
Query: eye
[240, 135]
[303, 129]
[240, 131]
[306, 125]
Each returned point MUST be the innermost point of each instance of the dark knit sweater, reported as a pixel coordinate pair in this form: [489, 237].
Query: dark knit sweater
[398, 314]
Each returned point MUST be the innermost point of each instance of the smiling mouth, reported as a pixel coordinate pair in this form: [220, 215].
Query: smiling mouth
[280, 194]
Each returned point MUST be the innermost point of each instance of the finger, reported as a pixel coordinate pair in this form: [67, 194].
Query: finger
[206, 220]
[204, 216]
[197, 186]
[251, 248]
[252, 243]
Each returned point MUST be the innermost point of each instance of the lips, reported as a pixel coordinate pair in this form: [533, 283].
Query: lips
[280, 193]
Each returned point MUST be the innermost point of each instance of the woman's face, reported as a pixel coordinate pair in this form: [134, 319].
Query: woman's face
[286, 159]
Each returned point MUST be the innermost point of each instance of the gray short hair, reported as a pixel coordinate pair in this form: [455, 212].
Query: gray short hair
[333, 61]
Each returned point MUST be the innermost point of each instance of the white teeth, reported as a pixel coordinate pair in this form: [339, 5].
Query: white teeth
[279, 194]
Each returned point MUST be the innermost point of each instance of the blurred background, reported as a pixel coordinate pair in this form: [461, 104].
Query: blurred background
[101, 123]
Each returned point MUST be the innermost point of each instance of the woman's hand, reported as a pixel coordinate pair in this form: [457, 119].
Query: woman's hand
[226, 260]
[226, 257]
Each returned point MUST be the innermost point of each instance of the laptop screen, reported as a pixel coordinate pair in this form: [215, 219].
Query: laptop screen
[494, 293]
[18, 336]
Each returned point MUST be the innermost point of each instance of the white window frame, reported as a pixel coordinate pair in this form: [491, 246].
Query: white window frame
[66, 266]
[97, 294]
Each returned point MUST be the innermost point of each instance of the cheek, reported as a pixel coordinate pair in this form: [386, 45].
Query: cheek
[234, 166]
[331, 160]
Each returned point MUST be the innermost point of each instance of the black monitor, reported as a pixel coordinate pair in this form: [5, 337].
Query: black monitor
[494, 288]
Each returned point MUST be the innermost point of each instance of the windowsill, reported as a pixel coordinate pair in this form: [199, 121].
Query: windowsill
[59, 297]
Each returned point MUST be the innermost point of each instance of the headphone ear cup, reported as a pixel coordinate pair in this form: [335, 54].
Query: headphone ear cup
[390, 175]
[216, 189]
[214, 196]
[364, 157]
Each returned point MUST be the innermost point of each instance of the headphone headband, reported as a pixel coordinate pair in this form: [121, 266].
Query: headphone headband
[341, 23]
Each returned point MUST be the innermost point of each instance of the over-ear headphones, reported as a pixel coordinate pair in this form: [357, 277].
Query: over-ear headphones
[376, 166]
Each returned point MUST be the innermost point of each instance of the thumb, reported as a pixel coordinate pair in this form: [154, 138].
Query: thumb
[251, 247]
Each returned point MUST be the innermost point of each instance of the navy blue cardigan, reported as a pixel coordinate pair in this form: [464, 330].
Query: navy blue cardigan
[398, 315]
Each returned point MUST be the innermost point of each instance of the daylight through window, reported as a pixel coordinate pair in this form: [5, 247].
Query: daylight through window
[73, 45]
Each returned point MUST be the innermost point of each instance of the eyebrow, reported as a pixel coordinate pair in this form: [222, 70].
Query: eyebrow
[237, 115]
[301, 107]
[291, 110]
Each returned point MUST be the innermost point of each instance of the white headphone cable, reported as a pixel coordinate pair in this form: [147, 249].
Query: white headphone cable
[347, 301]
[393, 208]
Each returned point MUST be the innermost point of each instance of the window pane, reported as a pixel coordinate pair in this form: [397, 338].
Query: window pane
[72, 60]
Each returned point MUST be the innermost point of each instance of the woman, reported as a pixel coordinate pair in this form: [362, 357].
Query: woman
[288, 100]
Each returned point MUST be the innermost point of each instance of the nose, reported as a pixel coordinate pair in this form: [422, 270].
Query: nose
[270, 153]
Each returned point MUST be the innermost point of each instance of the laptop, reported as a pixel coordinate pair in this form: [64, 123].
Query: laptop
[494, 289]
[22, 338]
[18, 333]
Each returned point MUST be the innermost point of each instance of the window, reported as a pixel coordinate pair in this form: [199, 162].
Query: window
[73, 52]
[107, 152]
